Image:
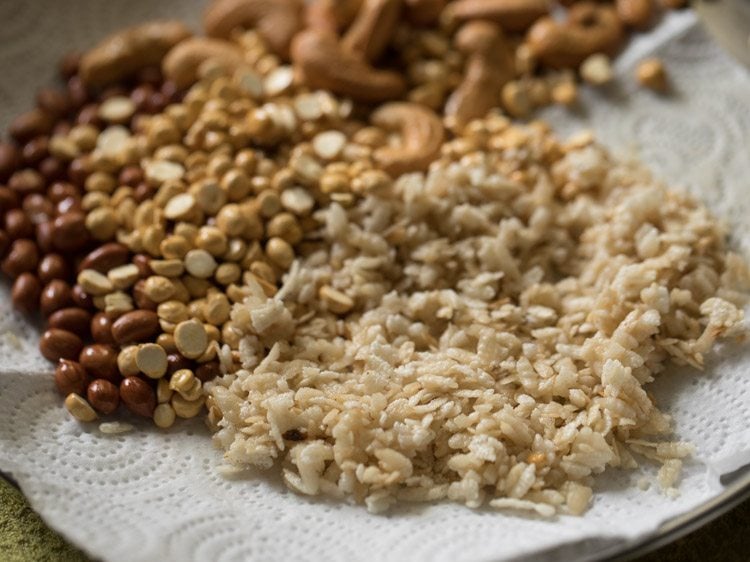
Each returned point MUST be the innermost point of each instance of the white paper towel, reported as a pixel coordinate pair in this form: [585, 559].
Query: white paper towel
[155, 495]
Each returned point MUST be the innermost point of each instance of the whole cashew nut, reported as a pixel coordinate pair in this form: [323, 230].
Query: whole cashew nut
[372, 28]
[322, 63]
[511, 15]
[636, 13]
[331, 15]
[590, 28]
[277, 21]
[123, 54]
[489, 67]
[182, 63]
[421, 131]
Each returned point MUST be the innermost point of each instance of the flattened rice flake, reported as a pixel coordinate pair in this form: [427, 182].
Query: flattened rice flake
[508, 308]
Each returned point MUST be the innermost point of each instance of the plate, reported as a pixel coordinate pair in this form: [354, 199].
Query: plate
[155, 495]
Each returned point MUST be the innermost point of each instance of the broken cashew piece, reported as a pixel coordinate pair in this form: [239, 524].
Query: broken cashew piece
[636, 13]
[182, 63]
[489, 67]
[322, 63]
[597, 70]
[511, 15]
[651, 73]
[590, 28]
[277, 21]
[372, 28]
[421, 131]
[123, 54]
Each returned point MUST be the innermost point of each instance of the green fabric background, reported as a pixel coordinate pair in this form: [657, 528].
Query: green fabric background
[23, 535]
[25, 538]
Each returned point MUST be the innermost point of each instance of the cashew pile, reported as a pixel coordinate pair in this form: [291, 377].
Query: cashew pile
[174, 171]
[464, 57]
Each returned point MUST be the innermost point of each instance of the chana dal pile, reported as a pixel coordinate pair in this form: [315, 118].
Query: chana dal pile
[319, 227]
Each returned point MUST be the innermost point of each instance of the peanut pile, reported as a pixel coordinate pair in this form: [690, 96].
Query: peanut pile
[171, 170]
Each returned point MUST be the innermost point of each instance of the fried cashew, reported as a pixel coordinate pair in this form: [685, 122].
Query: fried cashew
[372, 28]
[590, 28]
[182, 63]
[321, 62]
[421, 131]
[277, 21]
[123, 54]
[636, 13]
[651, 73]
[511, 15]
[489, 67]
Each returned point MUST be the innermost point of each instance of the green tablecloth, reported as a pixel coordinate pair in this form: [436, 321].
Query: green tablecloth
[25, 538]
[23, 535]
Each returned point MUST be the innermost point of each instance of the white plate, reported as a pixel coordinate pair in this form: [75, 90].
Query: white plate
[156, 495]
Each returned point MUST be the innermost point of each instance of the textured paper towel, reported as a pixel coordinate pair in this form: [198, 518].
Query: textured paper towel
[152, 495]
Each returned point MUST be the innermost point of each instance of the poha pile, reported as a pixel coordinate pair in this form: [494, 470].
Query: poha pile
[482, 332]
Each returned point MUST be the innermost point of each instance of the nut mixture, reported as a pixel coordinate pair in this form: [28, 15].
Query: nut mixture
[187, 208]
